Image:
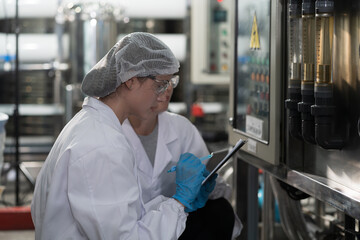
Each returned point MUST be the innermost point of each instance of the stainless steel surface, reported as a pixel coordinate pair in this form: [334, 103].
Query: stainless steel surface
[268, 210]
[73, 100]
[337, 195]
[319, 212]
[336, 173]
[291, 213]
[27, 174]
[92, 31]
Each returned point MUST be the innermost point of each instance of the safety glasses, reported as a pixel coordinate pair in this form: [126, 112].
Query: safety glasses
[162, 85]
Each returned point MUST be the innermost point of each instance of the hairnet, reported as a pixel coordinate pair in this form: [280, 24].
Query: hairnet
[135, 55]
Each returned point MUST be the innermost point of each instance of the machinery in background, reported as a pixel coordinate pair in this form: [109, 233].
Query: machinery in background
[92, 28]
[211, 37]
[302, 120]
[211, 57]
[30, 92]
[58, 42]
[89, 29]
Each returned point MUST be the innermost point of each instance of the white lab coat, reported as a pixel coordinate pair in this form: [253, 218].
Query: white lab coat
[176, 135]
[88, 186]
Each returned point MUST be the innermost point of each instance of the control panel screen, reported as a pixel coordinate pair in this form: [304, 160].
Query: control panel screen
[252, 72]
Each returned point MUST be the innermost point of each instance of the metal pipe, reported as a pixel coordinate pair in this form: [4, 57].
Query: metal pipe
[17, 101]
[324, 109]
[252, 212]
[308, 70]
[268, 210]
[294, 67]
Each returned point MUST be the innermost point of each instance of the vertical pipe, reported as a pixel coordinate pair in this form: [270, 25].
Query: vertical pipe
[319, 213]
[17, 100]
[268, 210]
[69, 92]
[294, 67]
[247, 185]
[252, 214]
[308, 70]
[187, 86]
[324, 108]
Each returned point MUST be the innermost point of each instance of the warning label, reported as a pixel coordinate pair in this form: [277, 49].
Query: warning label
[254, 40]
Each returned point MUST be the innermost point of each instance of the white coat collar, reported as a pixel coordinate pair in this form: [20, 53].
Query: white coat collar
[166, 135]
[163, 156]
[142, 160]
[105, 114]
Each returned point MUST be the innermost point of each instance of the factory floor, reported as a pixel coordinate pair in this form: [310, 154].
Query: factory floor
[17, 235]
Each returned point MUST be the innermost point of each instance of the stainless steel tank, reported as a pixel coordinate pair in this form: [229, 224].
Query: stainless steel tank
[89, 28]
[92, 31]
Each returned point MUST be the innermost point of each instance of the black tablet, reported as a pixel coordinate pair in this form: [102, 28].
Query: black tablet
[237, 146]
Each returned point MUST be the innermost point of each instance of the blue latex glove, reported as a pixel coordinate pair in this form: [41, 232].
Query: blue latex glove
[204, 193]
[189, 175]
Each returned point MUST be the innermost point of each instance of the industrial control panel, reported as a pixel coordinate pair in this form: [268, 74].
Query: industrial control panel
[256, 79]
[211, 33]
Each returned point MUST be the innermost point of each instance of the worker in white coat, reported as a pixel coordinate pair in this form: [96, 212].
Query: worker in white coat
[88, 187]
[158, 141]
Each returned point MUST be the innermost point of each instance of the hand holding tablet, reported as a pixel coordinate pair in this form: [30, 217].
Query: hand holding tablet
[237, 146]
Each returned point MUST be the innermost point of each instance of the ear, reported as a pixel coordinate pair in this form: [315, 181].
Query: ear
[129, 83]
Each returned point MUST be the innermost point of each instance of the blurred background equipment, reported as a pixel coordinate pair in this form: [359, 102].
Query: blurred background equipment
[3, 119]
[30, 92]
[282, 74]
[295, 99]
[57, 43]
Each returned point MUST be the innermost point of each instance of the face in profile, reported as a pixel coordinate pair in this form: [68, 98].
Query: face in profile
[162, 99]
[163, 103]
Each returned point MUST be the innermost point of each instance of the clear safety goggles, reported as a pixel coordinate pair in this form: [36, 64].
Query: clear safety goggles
[163, 85]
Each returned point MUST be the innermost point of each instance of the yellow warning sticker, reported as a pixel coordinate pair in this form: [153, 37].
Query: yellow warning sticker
[254, 41]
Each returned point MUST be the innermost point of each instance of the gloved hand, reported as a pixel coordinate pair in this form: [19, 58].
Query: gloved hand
[189, 176]
[204, 192]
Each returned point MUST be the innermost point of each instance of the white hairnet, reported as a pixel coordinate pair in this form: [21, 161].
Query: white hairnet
[135, 55]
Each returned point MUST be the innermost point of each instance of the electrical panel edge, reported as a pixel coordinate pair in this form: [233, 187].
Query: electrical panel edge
[255, 105]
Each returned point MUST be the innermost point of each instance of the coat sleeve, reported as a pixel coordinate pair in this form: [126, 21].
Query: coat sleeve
[105, 201]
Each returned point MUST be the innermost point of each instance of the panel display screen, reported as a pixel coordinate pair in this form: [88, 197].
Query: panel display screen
[252, 72]
[219, 15]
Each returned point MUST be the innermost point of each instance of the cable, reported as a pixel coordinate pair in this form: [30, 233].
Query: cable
[293, 192]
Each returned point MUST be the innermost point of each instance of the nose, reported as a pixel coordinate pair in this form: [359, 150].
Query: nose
[169, 88]
[165, 95]
[162, 97]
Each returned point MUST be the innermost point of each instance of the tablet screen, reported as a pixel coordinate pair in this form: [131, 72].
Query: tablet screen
[237, 146]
